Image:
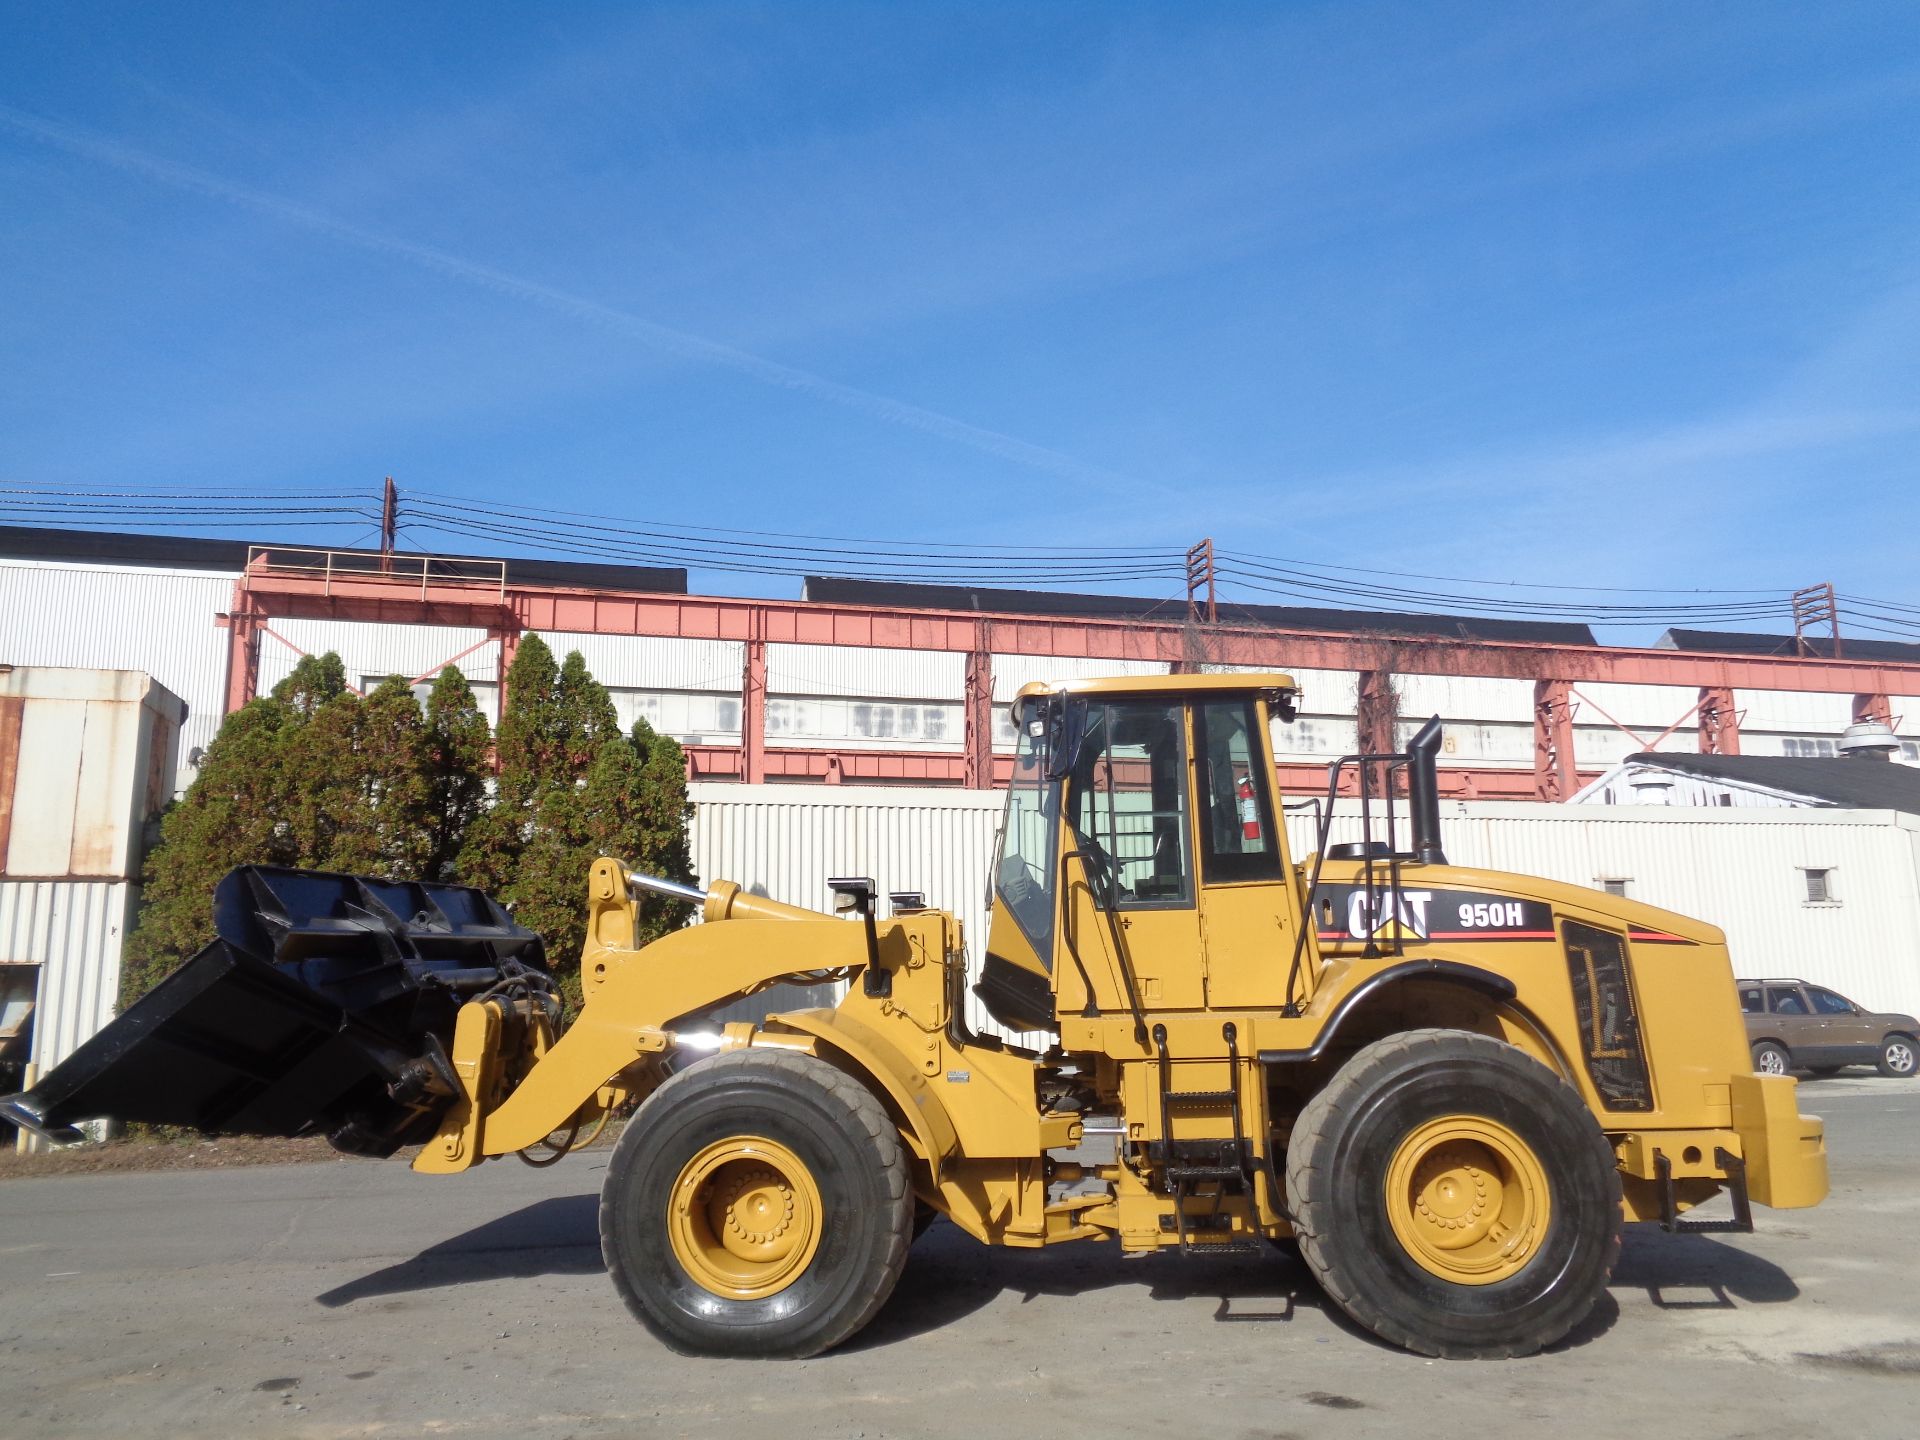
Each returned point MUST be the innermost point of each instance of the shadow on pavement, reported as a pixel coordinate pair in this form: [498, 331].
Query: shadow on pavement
[1659, 1263]
[560, 1236]
[949, 1275]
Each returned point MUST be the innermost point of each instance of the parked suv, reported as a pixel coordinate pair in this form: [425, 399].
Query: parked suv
[1793, 1025]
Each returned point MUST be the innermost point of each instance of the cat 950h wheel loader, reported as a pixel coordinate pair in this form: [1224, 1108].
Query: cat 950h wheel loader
[1451, 1085]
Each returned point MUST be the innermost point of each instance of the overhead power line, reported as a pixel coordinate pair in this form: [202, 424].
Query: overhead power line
[436, 519]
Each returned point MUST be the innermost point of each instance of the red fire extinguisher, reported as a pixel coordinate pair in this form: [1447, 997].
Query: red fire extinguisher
[1249, 810]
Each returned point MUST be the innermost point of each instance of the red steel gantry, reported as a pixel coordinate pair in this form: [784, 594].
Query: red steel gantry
[409, 590]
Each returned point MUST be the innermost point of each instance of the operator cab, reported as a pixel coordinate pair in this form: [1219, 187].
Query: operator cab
[1137, 806]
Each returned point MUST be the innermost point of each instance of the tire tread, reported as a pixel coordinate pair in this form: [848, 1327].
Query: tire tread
[1309, 1185]
[781, 1069]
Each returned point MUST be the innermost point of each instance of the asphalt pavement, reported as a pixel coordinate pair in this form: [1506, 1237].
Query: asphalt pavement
[362, 1300]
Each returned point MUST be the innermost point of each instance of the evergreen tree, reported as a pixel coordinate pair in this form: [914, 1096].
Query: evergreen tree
[229, 816]
[458, 759]
[572, 788]
[314, 776]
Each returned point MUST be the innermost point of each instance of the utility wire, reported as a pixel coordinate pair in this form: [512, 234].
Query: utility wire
[630, 540]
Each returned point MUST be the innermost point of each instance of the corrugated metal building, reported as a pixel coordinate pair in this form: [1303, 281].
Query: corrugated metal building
[86, 763]
[1744, 871]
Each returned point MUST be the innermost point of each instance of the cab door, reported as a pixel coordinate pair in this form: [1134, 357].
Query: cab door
[1128, 843]
[1249, 909]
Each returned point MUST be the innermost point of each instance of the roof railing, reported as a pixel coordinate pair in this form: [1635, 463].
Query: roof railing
[414, 571]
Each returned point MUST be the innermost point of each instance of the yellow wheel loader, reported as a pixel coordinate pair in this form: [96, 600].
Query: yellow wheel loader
[1450, 1086]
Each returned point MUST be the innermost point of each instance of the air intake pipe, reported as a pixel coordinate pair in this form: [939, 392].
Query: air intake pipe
[1423, 794]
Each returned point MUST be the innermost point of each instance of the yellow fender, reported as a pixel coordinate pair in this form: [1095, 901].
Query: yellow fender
[888, 1070]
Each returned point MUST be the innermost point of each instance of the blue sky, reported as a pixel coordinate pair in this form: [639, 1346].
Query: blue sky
[1628, 295]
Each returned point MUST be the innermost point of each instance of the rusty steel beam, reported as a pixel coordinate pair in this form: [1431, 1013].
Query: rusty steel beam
[802, 622]
[978, 717]
[1553, 771]
[753, 705]
[1873, 708]
[1719, 721]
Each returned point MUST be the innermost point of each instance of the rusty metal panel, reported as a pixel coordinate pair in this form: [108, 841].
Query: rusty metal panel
[12, 711]
[83, 763]
[52, 738]
[73, 931]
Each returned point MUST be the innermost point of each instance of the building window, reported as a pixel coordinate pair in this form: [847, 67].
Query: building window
[1615, 884]
[1819, 886]
[886, 721]
[1806, 747]
[726, 713]
[788, 717]
[1300, 737]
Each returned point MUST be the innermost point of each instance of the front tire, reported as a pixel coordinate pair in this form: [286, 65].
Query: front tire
[1454, 1196]
[759, 1204]
[1898, 1057]
[1771, 1059]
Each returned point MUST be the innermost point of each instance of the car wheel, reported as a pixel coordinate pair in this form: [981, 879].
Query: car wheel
[1454, 1196]
[1771, 1059]
[1898, 1056]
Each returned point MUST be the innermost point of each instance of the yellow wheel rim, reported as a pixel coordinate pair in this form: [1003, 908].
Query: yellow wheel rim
[1468, 1199]
[744, 1218]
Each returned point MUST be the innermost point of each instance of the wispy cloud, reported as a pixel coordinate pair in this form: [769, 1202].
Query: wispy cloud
[663, 339]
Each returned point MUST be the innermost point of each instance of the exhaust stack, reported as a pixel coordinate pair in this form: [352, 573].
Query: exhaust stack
[1423, 794]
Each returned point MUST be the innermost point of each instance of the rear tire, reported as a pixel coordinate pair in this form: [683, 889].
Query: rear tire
[1454, 1196]
[1771, 1059]
[759, 1204]
[1898, 1057]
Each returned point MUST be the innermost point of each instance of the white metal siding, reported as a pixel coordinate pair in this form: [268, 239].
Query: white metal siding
[377, 650]
[1739, 870]
[1010, 672]
[850, 673]
[72, 930]
[1742, 870]
[783, 842]
[101, 617]
[643, 662]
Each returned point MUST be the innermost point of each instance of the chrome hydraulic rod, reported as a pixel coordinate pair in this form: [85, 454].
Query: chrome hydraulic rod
[637, 881]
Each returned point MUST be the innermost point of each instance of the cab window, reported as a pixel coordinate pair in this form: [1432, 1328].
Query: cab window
[1024, 876]
[1785, 1000]
[1825, 1002]
[1129, 802]
[1236, 806]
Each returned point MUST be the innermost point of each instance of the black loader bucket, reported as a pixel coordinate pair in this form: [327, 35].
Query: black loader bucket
[325, 1006]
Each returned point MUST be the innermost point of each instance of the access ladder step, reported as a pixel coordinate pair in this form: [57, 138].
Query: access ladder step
[1199, 1097]
[1710, 1227]
[1205, 1172]
[1197, 1246]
